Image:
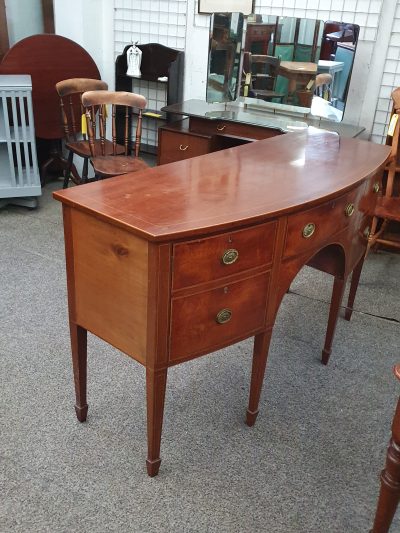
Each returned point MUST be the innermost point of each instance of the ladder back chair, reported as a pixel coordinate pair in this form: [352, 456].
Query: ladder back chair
[264, 73]
[388, 205]
[105, 164]
[74, 124]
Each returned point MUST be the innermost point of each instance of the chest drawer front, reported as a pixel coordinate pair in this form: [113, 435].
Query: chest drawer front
[203, 260]
[211, 319]
[175, 146]
[308, 229]
[225, 127]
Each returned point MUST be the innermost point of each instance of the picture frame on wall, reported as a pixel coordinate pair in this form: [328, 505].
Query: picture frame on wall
[222, 6]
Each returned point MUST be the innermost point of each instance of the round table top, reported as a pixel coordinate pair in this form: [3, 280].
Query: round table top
[48, 59]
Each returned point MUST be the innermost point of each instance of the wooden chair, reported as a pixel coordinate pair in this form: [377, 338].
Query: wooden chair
[107, 165]
[70, 92]
[390, 478]
[323, 84]
[264, 72]
[388, 205]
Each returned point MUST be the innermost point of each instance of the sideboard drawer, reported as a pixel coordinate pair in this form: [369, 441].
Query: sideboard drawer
[211, 319]
[175, 146]
[203, 260]
[226, 127]
[306, 230]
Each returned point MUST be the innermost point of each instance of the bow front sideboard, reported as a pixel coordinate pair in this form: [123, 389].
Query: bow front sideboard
[180, 260]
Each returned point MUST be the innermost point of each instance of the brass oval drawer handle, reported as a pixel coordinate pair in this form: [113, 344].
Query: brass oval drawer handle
[223, 316]
[183, 148]
[367, 232]
[376, 188]
[349, 210]
[230, 256]
[308, 230]
[221, 128]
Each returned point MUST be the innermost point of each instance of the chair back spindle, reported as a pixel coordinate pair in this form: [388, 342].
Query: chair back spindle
[107, 165]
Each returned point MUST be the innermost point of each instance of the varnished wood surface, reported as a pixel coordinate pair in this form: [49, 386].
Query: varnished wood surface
[241, 185]
[48, 59]
[111, 283]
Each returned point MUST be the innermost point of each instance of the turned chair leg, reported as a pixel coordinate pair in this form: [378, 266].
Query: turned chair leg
[390, 481]
[336, 300]
[67, 171]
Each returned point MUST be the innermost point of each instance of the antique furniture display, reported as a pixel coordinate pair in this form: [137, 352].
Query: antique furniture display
[49, 59]
[212, 127]
[110, 162]
[70, 93]
[223, 76]
[160, 82]
[19, 175]
[387, 209]
[389, 495]
[183, 259]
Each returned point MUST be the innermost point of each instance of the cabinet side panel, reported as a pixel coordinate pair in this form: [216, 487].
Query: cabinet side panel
[111, 283]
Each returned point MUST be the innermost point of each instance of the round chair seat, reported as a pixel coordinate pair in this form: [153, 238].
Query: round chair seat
[108, 166]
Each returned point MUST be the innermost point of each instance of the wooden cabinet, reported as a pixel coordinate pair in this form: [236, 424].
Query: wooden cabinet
[196, 136]
[185, 261]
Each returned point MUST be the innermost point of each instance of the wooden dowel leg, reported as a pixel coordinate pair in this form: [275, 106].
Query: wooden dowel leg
[79, 363]
[67, 171]
[390, 481]
[337, 295]
[155, 389]
[355, 278]
[260, 355]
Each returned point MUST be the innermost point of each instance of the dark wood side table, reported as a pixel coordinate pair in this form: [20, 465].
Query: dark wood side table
[180, 260]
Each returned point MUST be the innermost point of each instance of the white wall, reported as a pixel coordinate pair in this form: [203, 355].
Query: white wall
[89, 23]
[23, 19]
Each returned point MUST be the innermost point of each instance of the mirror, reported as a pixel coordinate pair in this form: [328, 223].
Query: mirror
[226, 33]
[298, 62]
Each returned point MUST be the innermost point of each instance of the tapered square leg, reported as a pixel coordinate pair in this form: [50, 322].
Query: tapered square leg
[355, 278]
[337, 296]
[156, 381]
[260, 355]
[79, 363]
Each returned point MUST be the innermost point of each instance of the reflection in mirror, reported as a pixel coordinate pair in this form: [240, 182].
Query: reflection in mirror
[226, 33]
[300, 62]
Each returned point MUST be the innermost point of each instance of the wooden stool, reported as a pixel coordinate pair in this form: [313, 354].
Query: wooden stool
[390, 478]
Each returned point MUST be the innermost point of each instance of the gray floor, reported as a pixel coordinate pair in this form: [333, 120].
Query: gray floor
[310, 464]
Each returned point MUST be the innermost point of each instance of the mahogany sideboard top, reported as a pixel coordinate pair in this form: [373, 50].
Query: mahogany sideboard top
[231, 188]
[177, 261]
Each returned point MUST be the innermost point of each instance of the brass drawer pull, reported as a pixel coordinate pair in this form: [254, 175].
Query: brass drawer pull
[183, 148]
[223, 316]
[367, 232]
[376, 187]
[349, 210]
[221, 128]
[308, 230]
[230, 256]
